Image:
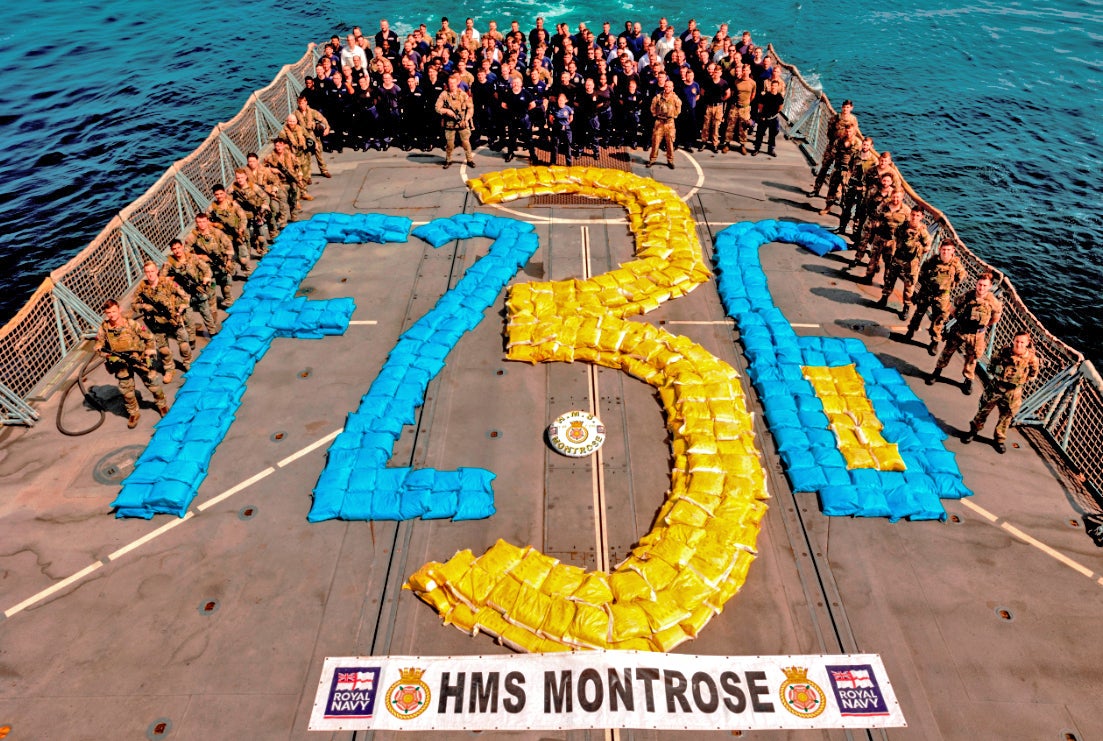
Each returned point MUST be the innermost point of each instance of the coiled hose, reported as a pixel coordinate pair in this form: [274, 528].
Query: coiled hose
[94, 361]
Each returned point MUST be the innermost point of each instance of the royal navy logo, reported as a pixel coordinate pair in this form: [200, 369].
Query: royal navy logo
[801, 696]
[352, 692]
[857, 690]
[409, 696]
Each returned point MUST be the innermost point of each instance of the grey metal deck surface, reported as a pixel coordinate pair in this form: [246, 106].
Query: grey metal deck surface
[216, 626]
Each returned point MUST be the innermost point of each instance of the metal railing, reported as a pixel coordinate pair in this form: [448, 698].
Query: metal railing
[1066, 400]
[64, 311]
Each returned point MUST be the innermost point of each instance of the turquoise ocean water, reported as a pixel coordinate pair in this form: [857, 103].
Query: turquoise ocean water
[993, 110]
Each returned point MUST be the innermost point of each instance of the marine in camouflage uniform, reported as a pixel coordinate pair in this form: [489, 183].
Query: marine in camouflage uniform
[890, 216]
[192, 273]
[315, 126]
[254, 202]
[974, 314]
[874, 181]
[836, 133]
[912, 243]
[665, 108]
[128, 350]
[855, 192]
[456, 113]
[213, 244]
[226, 214]
[846, 152]
[294, 134]
[1010, 370]
[281, 162]
[267, 180]
[875, 199]
[939, 277]
[164, 307]
[739, 114]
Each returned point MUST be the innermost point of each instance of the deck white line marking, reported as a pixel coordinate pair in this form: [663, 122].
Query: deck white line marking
[150, 536]
[235, 489]
[51, 589]
[313, 446]
[1031, 540]
[697, 321]
[363, 321]
[804, 326]
[167, 526]
[700, 177]
[980, 510]
[597, 468]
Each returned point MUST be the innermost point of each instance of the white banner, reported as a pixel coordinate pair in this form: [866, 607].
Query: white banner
[604, 689]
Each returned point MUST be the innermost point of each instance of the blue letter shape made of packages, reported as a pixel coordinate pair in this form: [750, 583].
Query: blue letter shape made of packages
[795, 415]
[168, 474]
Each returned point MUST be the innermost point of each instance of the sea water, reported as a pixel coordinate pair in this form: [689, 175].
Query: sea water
[992, 110]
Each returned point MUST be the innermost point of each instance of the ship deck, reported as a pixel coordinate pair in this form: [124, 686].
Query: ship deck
[215, 626]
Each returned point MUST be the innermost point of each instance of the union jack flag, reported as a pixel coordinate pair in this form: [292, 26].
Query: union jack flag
[852, 678]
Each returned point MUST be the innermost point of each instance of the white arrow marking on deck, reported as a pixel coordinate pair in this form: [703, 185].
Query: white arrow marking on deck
[1030, 540]
[116, 555]
[363, 321]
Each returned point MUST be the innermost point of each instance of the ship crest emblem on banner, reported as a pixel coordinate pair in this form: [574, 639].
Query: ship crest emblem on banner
[801, 696]
[409, 696]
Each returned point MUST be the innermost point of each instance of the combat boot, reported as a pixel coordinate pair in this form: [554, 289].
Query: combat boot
[882, 302]
[904, 311]
[132, 421]
[969, 436]
[1000, 447]
[967, 387]
[909, 335]
[162, 406]
[933, 376]
[932, 348]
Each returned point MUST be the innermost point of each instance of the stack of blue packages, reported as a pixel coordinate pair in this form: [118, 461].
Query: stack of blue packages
[168, 474]
[795, 415]
[355, 483]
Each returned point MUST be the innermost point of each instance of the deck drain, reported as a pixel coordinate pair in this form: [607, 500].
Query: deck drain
[344, 280]
[306, 290]
[116, 465]
[955, 519]
[277, 436]
[493, 434]
[1065, 736]
[159, 728]
[306, 372]
[1075, 524]
[500, 372]
[210, 607]
[1004, 614]
[247, 512]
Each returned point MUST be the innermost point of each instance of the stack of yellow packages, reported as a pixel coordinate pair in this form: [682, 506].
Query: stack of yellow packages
[842, 392]
[697, 555]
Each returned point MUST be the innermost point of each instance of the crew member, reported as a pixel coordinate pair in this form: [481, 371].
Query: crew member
[912, 243]
[665, 108]
[974, 314]
[226, 215]
[456, 112]
[192, 273]
[1010, 370]
[164, 307]
[939, 277]
[128, 350]
[206, 241]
